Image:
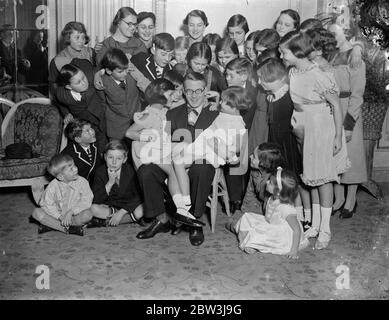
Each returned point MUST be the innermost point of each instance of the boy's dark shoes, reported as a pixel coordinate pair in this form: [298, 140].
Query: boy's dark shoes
[31, 219]
[96, 223]
[77, 230]
[43, 229]
[156, 227]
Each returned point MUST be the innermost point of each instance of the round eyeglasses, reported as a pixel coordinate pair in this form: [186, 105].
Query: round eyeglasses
[130, 24]
[190, 92]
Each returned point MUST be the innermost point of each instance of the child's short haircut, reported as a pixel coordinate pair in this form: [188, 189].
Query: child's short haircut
[268, 38]
[267, 54]
[237, 20]
[164, 41]
[211, 39]
[144, 15]
[181, 43]
[299, 43]
[57, 163]
[116, 145]
[68, 30]
[115, 59]
[240, 66]
[271, 70]
[310, 23]
[289, 184]
[269, 156]
[227, 45]
[74, 129]
[252, 35]
[174, 77]
[236, 97]
[67, 72]
[155, 90]
[196, 13]
[199, 50]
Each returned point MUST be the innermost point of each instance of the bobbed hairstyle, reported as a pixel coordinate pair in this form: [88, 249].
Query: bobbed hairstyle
[182, 43]
[116, 145]
[211, 39]
[155, 90]
[299, 43]
[270, 156]
[199, 50]
[294, 15]
[236, 97]
[323, 40]
[310, 23]
[57, 163]
[227, 44]
[69, 28]
[122, 13]
[196, 13]
[289, 184]
[268, 38]
[74, 129]
[67, 72]
[237, 20]
[114, 59]
[271, 70]
[164, 41]
[240, 66]
[252, 35]
[144, 15]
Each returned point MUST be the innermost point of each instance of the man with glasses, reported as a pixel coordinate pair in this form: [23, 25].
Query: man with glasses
[187, 122]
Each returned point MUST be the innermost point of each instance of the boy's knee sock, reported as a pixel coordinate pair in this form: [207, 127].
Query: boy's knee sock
[300, 213]
[325, 219]
[316, 216]
[307, 215]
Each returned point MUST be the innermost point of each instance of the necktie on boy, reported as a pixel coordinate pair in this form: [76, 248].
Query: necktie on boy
[89, 153]
[192, 116]
[158, 71]
[122, 85]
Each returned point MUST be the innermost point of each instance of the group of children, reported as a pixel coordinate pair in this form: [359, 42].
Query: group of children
[278, 86]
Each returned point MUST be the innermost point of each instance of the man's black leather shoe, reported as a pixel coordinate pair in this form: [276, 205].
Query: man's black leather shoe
[156, 227]
[187, 221]
[235, 205]
[196, 236]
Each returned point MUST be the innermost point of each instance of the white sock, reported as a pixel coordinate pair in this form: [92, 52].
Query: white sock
[316, 216]
[177, 199]
[186, 202]
[300, 214]
[307, 215]
[325, 219]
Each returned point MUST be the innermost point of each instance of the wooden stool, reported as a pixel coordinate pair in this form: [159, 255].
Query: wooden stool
[219, 188]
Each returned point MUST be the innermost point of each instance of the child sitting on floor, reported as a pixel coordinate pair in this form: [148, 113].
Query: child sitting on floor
[116, 197]
[279, 231]
[82, 147]
[65, 204]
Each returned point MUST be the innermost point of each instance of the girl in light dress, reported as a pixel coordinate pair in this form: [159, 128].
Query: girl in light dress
[278, 231]
[317, 123]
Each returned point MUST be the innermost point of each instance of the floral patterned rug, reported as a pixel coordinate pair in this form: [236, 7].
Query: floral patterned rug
[111, 263]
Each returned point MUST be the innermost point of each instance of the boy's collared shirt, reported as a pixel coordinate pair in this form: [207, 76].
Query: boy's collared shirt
[60, 197]
[76, 95]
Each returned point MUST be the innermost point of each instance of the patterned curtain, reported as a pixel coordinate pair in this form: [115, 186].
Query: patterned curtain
[97, 15]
